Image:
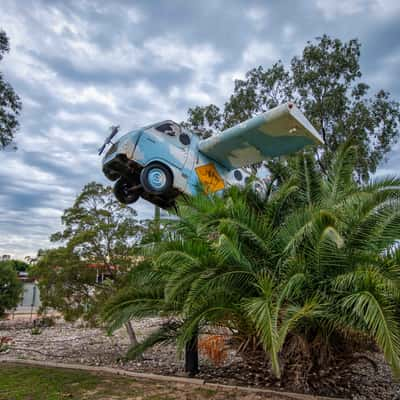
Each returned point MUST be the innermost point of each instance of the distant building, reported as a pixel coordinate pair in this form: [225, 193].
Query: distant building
[30, 301]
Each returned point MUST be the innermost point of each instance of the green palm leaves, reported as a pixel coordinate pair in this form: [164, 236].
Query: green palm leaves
[317, 259]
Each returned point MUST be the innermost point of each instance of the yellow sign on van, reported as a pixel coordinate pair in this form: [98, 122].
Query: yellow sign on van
[210, 178]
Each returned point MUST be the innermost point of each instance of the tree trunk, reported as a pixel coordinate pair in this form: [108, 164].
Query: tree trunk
[192, 357]
[131, 334]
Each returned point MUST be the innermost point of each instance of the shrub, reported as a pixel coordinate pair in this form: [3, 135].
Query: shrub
[10, 289]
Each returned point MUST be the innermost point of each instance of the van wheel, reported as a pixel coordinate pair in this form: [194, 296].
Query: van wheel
[123, 191]
[156, 178]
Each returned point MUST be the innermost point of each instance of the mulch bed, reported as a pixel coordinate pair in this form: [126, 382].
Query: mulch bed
[71, 343]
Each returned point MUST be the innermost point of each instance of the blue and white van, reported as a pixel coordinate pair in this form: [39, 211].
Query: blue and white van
[160, 161]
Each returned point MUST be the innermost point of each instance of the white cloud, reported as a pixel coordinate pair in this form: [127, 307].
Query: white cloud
[196, 95]
[86, 55]
[88, 94]
[71, 37]
[385, 8]
[96, 118]
[260, 52]
[134, 14]
[382, 75]
[172, 53]
[288, 32]
[335, 8]
[226, 80]
[257, 16]
[29, 172]
[332, 9]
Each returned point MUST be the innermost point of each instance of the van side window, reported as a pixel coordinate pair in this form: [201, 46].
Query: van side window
[167, 128]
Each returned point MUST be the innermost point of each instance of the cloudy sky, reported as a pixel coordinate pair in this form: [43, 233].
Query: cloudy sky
[81, 66]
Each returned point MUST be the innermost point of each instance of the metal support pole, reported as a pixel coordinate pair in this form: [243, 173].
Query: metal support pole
[192, 356]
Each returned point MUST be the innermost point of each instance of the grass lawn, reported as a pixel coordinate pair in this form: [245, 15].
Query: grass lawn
[19, 382]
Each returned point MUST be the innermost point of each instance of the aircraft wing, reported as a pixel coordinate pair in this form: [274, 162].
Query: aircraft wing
[279, 131]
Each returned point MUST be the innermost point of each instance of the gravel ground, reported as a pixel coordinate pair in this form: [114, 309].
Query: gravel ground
[90, 346]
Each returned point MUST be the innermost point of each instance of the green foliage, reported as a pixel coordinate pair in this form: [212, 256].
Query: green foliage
[17, 265]
[36, 331]
[10, 103]
[315, 262]
[98, 228]
[10, 288]
[325, 83]
[65, 283]
[99, 239]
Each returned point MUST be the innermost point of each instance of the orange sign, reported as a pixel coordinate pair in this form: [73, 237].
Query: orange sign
[210, 178]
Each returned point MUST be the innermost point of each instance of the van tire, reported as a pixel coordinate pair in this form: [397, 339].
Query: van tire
[122, 192]
[156, 178]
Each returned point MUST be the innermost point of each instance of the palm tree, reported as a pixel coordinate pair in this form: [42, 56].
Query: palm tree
[314, 262]
[343, 239]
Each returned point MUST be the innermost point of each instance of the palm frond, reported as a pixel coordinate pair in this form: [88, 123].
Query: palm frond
[308, 180]
[340, 175]
[376, 318]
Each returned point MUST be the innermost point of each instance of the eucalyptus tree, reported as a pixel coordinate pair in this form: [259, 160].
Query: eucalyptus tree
[100, 229]
[325, 82]
[96, 249]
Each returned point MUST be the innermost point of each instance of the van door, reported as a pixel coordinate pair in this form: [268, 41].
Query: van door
[162, 142]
